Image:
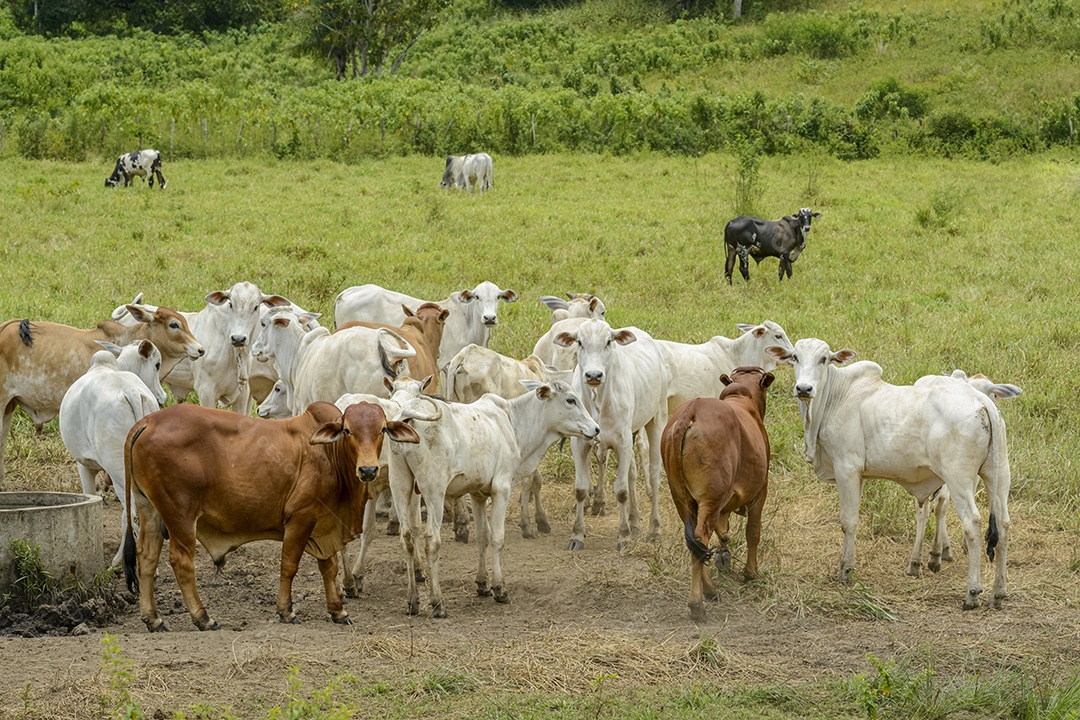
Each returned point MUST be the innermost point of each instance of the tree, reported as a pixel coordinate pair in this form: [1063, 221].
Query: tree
[361, 36]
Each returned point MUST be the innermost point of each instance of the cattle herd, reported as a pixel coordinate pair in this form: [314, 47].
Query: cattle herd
[349, 417]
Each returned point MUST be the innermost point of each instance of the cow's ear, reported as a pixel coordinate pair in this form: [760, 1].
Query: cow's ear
[767, 380]
[275, 301]
[744, 327]
[781, 354]
[407, 311]
[565, 339]
[759, 331]
[508, 295]
[308, 317]
[842, 357]
[624, 337]
[725, 379]
[817, 214]
[593, 303]
[217, 297]
[466, 296]
[444, 314]
[554, 303]
[112, 347]
[281, 322]
[139, 314]
[146, 349]
[328, 433]
[388, 383]
[400, 432]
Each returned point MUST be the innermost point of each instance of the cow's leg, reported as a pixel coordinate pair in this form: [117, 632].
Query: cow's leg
[729, 264]
[479, 507]
[599, 490]
[88, 478]
[461, 519]
[964, 501]
[328, 568]
[999, 491]
[524, 520]
[785, 266]
[500, 499]
[922, 515]
[5, 431]
[753, 534]
[696, 599]
[354, 578]
[292, 549]
[148, 551]
[942, 550]
[744, 262]
[624, 458]
[160, 177]
[543, 525]
[182, 559]
[653, 430]
[849, 487]
[407, 511]
[721, 522]
[434, 497]
[633, 511]
[582, 480]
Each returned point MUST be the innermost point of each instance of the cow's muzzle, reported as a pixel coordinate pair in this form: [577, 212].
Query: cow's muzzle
[491, 320]
[367, 473]
[238, 340]
[196, 352]
[804, 392]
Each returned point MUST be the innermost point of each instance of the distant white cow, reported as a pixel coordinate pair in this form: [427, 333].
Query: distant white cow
[473, 313]
[142, 163]
[469, 172]
[476, 371]
[580, 305]
[623, 378]
[856, 426]
[317, 365]
[696, 369]
[476, 449]
[121, 386]
[942, 547]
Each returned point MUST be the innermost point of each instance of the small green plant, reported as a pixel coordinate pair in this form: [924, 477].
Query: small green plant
[118, 701]
[747, 179]
[33, 582]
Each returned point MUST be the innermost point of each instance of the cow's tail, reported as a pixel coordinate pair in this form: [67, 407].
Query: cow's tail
[701, 552]
[26, 333]
[671, 448]
[449, 388]
[997, 476]
[130, 571]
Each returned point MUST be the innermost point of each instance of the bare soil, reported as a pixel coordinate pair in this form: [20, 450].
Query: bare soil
[573, 618]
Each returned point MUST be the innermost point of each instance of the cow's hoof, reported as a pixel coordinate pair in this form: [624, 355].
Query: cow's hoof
[621, 545]
[697, 612]
[157, 626]
[462, 536]
[653, 536]
[351, 592]
[343, 619]
[846, 576]
[915, 569]
[971, 600]
[528, 533]
[635, 531]
[946, 554]
[598, 509]
[575, 545]
[710, 592]
[393, 528]
[438, 611]
[482, 588]
[413, 608]
[998, 600]
[358, 582]
[543, 526]
[501, 596]
[723, 560]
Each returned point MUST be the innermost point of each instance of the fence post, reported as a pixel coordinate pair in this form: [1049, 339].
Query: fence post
[316, 132]
[204, 131]
[348, 132]
[273, 125]
[1070, 132]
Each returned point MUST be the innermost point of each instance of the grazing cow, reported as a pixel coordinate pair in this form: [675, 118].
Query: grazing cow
[476, 371]
[225, 480]
[696, 369]
[318, 365]
[623, 379]
[858, 426]
[942, 547]
[716, 455]
[144, 163]
[581, 305]
[750, 237]
[469, 172]
[423, 330]
[473, 313]
[121, 386]
[476, 449]
[39, 361]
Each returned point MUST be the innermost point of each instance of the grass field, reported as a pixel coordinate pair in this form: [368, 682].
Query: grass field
[919, 265]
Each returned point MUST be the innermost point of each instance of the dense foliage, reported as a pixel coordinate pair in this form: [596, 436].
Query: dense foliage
[592, 76]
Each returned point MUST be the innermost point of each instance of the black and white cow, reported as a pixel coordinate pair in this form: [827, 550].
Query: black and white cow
[750, 237]
[144, 163]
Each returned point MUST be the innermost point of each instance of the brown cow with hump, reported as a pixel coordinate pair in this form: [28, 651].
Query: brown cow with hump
[716, 455]
[225, 480]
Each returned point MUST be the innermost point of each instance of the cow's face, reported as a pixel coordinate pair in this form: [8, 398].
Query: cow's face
[564, 409]
[811, 359]
[361, 430]
[764, 335]
[595, 341]
[236, 312]
[169, 331]
[273, 329]
[276, 404]
[487, 295]
[804, 216]
[448, 173]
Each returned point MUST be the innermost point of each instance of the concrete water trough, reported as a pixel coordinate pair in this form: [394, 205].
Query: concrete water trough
[66, 526]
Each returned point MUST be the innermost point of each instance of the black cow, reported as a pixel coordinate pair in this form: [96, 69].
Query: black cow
[750, 237]
[144, 163]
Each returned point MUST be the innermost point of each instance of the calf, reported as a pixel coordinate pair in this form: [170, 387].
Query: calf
[144, 163]
[751, 237]
[39, 361]
[476, 449]
[716, 455]
[858, 426]
[211, 476]
[476, 371]
[121, 386]
[623, 378]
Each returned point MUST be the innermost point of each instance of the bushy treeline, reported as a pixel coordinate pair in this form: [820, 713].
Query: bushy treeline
[521, 84]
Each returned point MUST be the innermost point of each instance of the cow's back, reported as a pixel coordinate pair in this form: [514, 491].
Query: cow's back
[372, 303]
[39, 373]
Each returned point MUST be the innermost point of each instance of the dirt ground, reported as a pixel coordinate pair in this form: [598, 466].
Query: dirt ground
[576, 617]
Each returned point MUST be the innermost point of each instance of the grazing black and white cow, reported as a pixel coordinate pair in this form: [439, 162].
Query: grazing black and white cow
[750, 237]
[144, 163]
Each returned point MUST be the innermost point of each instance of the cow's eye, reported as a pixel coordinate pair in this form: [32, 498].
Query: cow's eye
[824, 360]
[158, 366]
[794, 358]
[174, 325]
[571, 401]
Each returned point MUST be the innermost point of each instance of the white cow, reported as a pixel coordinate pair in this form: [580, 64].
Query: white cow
[623, 378]
[553, 354]
[121, 386]
[469, 172]
[476, 371]
[476, 449]
[318, 365]
[473, 313]
[942, 547]
[696, 369]
[145, 164]
[856, 425]
[581, 305]
[262, 375]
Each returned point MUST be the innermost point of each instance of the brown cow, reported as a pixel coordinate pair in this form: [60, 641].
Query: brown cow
[423, 330]
[39, 361]
[716, 455]
[208, 475]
